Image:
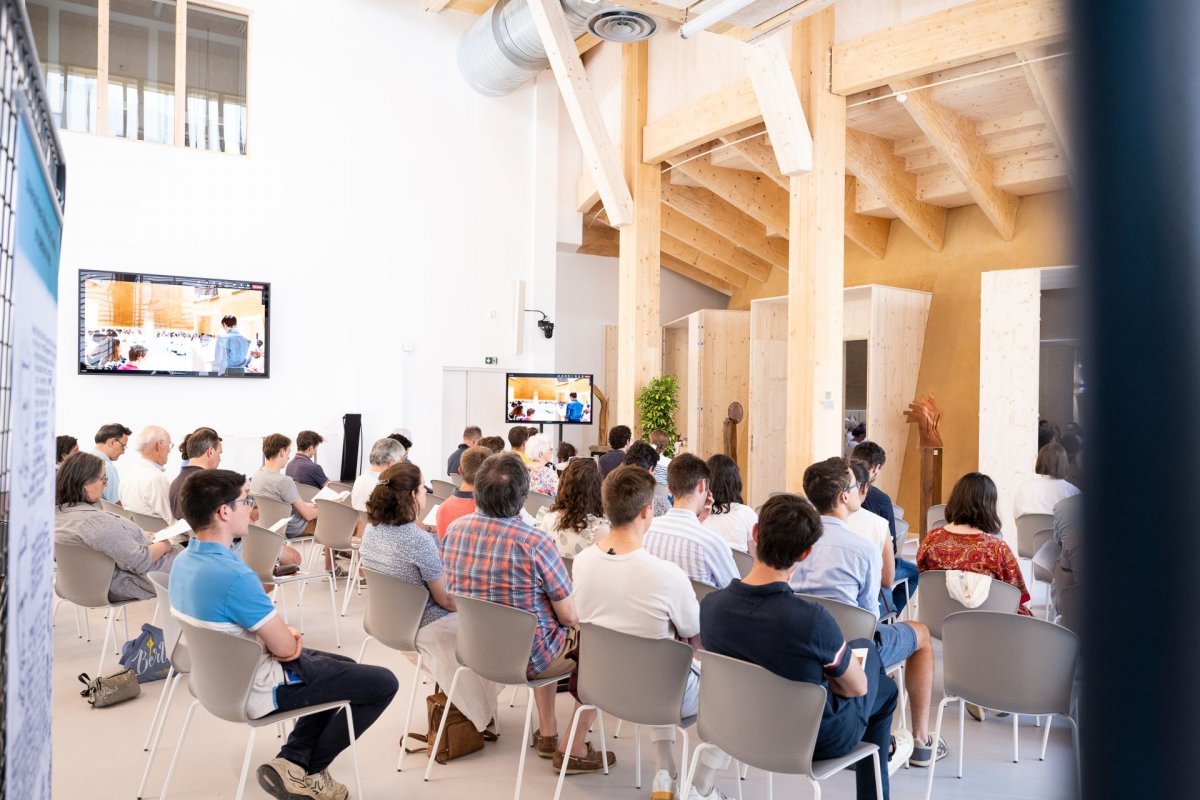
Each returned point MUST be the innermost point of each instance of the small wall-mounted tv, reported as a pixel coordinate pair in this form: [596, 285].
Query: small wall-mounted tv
[140, 324]
[548, 397]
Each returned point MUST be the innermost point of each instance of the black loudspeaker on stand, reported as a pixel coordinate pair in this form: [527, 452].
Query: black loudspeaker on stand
[351, 446]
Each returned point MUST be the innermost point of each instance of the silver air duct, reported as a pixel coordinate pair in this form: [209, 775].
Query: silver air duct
[502, 50]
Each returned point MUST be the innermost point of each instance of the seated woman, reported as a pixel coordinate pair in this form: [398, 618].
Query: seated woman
[576, 518]
[730, 517]
[970, 540]
[1041, 493]
[396, 545]
[80, 520]
[539, 457]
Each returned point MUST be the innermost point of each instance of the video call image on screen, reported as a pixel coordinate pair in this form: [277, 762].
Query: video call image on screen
[550, 398]
[165, 325]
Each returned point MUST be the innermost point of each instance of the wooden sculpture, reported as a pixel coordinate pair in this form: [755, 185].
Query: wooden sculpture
[602, 418]
[926, 415]
[732, 417]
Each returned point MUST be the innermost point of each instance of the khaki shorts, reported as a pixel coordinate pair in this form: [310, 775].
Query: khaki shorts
[567, 658]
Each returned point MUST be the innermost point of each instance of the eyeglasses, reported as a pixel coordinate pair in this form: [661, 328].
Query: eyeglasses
[124, 444]
[103, 479]
[852, 487]
[247, 501]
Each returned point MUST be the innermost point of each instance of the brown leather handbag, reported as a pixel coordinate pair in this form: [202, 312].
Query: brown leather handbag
[460, 737]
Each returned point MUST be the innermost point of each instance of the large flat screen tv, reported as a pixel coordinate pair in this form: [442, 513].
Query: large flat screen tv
[549, 397]
[137, 324]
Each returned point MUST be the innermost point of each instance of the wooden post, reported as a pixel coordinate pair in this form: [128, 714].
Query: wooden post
[816, 261]
[639, 345]
[931, 485]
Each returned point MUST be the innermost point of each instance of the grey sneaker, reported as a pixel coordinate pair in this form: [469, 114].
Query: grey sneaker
[924, 753]
[977, 712]
[328, 787]
[284, 780]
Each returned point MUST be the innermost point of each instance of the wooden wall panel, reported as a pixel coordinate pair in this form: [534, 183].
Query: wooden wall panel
[1009, 348]
[682, 71]
[609, 378]
[676, 362]
[766, 414]
[857, 323]
[722, 339]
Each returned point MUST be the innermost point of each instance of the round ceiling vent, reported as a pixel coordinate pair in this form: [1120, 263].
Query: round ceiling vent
[622, 25]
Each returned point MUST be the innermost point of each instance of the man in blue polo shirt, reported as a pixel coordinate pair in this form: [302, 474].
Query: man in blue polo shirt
[574, 409]
[213, 588]
[758, 619]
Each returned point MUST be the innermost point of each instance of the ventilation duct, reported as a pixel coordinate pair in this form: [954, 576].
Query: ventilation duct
[502, 50]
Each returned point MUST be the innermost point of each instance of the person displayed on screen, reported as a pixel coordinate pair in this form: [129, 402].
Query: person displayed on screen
[99, 350]
[574, 409]
[233, 350]
[115, 360]
[136, 354]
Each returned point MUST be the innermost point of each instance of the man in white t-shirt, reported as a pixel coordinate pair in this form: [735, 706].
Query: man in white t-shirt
[621, 586]
[874, 529]
[384, 453]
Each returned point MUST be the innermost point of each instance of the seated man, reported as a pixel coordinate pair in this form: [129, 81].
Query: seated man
[202, 449]
[384, 453]
[516, 439]
[304, 467]
[621, 586]
[471, 436]
[271, 483]
[462, 502]
[874, 529]
[618, 440]
[111, 442]
[758, 619]
[213, 588]
[642, 454]
[843, 566]
[1068, 534]
[495, 556]
[878, 502]
[678, 536]
[145, 488]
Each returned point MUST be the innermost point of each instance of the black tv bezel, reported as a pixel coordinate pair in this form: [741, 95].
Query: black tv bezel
[591, 376]
[159, 277]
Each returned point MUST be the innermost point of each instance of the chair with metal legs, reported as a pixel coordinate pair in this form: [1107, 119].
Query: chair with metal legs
[260, 550]
[393, 618]
[336, 524]
[649, 695]
[743, 562]
[177, 654]
[494, 642]
[223, 670]
[937, 604]
[1007, 662]
[147, 522]
[83, 578]
[766, 721]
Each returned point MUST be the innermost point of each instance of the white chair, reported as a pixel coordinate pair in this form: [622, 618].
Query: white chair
[535, 502]
[260, 551]
[180, 666]
[442, 489]
[743, 562]
[937, 604]
[147, 522]
[339, 486]
[83, 577]
[336, 524]
[306, 492]
[223, 670]
[935, 516]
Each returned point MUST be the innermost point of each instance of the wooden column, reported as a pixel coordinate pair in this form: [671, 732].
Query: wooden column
[639, 347]
[816, 261]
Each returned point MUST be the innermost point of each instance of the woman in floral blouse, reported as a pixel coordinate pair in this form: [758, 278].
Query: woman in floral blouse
[539, 456]
[576, 520]
[970, 541]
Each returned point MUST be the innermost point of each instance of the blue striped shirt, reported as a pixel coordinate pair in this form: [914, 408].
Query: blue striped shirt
[843, 566]
[678, 537]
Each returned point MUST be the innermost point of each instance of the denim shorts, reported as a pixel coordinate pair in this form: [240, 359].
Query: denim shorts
[896, 642]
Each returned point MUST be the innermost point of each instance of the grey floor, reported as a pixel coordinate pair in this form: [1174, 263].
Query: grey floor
[98, 753]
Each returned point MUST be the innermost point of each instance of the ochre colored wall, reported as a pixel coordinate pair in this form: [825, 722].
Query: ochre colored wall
[950, 363]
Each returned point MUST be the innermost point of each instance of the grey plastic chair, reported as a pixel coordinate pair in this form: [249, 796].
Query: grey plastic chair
[649, 695]
[1010, 663]
[271, 511]
[442, 489]
[935, 516]
[901, 529]
[535, 501]
[456, 480]
[260, 550]
[767, 722]
[743, 562]
[897, 511]
[392, 618]
[181, 665]
[702, 590]
[336, 524]
[120, 511]
[494, 642]
[223, 670]
[83, 576]
[147, 522]
[936, 603]
[306, 492]
[339, 486]
[1027, 527]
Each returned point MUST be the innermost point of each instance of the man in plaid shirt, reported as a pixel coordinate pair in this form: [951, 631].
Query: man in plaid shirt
[494, 555]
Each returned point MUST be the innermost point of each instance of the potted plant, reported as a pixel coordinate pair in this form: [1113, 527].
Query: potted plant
[656, 406]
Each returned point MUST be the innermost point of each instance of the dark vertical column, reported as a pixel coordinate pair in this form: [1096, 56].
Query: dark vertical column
[1138, 125]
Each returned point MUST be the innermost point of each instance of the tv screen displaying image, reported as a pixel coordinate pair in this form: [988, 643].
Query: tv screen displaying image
[547, 397]
[136, 324]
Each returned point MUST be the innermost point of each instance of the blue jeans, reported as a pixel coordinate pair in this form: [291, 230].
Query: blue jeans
[871, 723]
[904, 569]
[328, 678]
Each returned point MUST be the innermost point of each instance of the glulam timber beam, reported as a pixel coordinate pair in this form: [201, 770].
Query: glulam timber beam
[771, 75]
[722, 217]
[750, 192]
[712, 243]
[871, 160]
[869, 233]
[1050, 101]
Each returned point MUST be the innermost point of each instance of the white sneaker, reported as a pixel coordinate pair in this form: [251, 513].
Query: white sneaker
[715, 794]
[903, 750]
[664, 787]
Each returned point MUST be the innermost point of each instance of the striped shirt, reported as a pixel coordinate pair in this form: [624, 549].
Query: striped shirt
[509, 562]
[843, 566]
[678, 537]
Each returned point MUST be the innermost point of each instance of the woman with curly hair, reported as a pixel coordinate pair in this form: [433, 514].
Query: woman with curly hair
[576, 519]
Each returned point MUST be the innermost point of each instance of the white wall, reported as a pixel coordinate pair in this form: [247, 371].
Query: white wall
[390, 207]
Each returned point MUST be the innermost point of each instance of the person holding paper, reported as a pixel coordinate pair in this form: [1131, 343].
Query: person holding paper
[80, 520]
[384, 453]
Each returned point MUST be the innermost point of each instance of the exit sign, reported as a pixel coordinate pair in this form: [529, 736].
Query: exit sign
[491, 360]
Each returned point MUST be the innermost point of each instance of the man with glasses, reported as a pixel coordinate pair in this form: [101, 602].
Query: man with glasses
[111, 441]
[846, 567]
[146, 489]
[212, 588]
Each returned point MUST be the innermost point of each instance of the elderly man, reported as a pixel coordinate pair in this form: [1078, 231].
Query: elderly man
[384, 453]
[111, 442]
[145, 488]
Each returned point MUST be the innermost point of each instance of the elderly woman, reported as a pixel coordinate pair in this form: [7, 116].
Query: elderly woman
[79, 520]
[396, 545]
[539, 457]
[1041, 493]
[576, 519]
[970, 540]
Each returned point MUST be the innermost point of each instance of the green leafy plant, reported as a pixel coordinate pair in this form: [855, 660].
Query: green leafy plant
[656, 405]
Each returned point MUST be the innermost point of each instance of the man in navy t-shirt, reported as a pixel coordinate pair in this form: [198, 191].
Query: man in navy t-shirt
[760, 620]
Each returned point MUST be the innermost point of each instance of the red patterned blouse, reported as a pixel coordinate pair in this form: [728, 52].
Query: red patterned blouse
[987, 555]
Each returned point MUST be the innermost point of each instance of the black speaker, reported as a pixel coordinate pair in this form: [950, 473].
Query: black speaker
[351, 446]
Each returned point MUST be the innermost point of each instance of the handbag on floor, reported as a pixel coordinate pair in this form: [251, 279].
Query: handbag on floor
[460, 737]
[107, 691]
[146, 655]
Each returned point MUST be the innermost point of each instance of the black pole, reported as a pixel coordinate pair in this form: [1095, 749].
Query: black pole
[1137, 67]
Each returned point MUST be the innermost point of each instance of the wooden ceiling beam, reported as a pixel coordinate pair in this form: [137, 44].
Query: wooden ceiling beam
[712, 243]
[873, 163]
[1050, 102]
[751, 192]
[722, 217]
[960, 35]
[869, 233]
[695, 273]
[771, 74]
[726, 110]
[954, 137]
